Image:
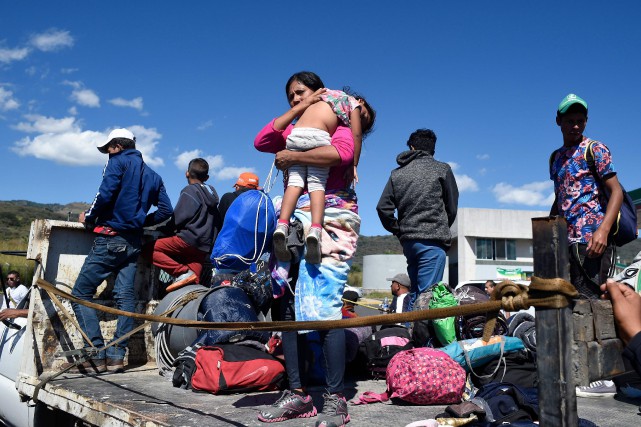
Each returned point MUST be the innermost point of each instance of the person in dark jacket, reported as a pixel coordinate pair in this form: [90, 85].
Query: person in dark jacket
[117, 216]
[246, 181]
[424, 194]
[197, 222]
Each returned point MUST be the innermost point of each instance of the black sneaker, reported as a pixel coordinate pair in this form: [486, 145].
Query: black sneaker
[289, 405]
[334, 411]
[114, 365]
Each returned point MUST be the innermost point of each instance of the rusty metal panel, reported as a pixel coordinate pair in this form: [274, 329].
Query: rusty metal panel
[61, 248]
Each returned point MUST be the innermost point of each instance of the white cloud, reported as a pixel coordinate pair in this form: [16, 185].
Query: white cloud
[86, 97]
[533, 194]
[135, 103]
[205, 125]
[232, 172]
[68, 70]
[146, 141]
[7, 101]
[16, 54]
[41, 124]
[52, 40]
[63, 141]
[483, 156]
[73, 111]
[217, 168]
[463, 182]
[31, 70]
[83, 96]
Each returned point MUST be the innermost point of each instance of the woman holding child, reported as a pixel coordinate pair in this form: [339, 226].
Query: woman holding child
[318, 286]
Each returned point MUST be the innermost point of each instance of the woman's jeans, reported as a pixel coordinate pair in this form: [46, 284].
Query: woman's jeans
[109, 255]
[425, 265]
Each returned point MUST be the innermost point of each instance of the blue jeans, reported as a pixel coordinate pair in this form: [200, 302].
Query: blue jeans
[109, 255]
[425, 265]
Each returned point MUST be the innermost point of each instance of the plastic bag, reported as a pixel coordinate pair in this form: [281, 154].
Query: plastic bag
[445, 329]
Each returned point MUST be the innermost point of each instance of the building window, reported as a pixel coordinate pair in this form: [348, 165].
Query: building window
[496, 249]
[484, 249]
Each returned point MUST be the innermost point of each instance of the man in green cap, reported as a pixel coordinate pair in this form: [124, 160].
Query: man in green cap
[578, 198]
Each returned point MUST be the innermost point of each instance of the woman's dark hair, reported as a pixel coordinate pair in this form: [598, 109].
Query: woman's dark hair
[367, 128]
[125, 143]
[308, 78]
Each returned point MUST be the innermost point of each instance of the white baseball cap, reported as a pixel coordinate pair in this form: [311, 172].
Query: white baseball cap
[116, 133]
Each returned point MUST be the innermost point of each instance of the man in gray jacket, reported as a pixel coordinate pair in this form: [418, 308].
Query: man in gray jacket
[424, 194]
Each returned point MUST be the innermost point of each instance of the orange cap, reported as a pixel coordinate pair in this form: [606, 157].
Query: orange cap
[248, 179]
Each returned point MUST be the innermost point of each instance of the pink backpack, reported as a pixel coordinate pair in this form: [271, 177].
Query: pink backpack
[423, 376]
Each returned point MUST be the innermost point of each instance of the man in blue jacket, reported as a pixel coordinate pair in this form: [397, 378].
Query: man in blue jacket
[117, 216]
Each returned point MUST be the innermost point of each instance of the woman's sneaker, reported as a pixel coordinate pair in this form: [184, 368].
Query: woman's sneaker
[597, 389]
[279, 241]
[289, 405]
[313, 243]
[334, 412]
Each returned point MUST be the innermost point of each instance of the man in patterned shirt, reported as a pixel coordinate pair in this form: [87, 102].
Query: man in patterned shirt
[578, 198]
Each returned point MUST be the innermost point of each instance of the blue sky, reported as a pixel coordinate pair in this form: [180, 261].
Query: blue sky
[202, 78]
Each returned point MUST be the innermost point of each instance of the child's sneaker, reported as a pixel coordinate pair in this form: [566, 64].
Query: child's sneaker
[279, 241]
[334, 412]
[597, 389]
[313, 243]
[289, 405]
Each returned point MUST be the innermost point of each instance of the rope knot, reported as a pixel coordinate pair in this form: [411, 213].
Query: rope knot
[513, 296]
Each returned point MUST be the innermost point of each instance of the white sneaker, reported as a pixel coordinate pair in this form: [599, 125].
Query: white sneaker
[313, 244]
[279, 243]
[604, 388]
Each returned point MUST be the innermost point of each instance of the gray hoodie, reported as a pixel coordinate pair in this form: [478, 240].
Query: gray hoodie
[196, 216]
[424, 193]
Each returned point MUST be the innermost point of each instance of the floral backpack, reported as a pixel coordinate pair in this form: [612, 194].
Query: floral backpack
[422, 376]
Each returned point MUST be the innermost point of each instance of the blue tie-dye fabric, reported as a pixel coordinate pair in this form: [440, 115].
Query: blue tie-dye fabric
[319, 288]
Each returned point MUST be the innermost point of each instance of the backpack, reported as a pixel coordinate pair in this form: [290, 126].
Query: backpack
[227, 304]
[229, 368]
[471, 326]
[247, 232]
[381, 346]
[422, 376]
[624, 230]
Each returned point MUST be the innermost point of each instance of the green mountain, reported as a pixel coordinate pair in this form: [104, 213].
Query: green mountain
[16, 216]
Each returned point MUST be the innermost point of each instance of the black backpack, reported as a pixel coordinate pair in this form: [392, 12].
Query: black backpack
[381, 346]
[471, 326]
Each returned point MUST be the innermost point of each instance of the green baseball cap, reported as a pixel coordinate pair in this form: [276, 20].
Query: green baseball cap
[570, 100]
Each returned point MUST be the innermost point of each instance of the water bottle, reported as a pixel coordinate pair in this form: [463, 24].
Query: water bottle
[385, 304]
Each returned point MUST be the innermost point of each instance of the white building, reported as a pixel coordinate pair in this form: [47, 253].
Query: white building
[491, 244]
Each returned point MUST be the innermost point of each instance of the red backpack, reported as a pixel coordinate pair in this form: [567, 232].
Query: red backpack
[233, 368]
[423, 376]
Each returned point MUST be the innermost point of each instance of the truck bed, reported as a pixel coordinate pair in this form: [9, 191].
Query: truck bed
[141, 397]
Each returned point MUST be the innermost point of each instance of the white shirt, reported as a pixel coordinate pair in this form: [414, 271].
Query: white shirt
[15, 295]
